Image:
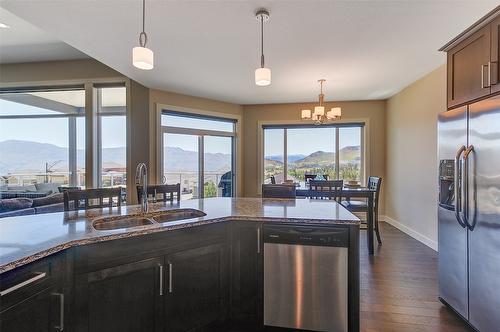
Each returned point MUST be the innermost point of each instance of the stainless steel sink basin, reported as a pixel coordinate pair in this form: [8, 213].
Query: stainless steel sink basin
[106, 224]
[118, 222]
[177, 214]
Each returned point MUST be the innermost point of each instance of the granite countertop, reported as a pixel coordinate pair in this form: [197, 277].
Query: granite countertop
[25, 239]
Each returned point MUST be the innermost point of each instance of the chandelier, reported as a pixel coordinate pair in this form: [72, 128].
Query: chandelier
[319, 116]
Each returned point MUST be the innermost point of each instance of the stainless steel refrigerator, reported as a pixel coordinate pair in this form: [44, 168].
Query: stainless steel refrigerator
[469, 212]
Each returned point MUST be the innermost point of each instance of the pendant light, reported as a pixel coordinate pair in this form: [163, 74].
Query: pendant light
[262, 74]
[142, 57]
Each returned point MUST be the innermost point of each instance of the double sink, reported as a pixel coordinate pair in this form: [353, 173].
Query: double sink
[158, 217]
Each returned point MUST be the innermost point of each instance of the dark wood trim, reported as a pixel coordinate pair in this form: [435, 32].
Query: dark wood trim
[482, 22]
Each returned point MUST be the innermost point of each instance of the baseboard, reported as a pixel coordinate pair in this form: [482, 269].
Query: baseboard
[411, 232]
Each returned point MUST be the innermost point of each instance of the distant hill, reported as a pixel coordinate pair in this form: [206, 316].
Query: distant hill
[26, 156]
[291, 158]
[346, 154]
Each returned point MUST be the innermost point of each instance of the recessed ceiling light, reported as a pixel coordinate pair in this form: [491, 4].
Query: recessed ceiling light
[4, 26]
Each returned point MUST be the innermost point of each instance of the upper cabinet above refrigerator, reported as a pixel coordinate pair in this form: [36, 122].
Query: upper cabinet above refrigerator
[495, 52]
[473, 68]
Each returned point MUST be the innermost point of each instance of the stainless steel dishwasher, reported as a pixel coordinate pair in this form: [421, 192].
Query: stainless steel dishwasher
[306, 277]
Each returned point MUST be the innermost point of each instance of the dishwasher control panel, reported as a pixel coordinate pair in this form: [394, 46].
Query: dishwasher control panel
[315, 236]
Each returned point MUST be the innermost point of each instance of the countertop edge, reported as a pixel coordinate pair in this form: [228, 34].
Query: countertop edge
[145, 231]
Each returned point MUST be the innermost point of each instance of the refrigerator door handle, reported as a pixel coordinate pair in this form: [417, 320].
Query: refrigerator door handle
[458, 186]
[470, 226]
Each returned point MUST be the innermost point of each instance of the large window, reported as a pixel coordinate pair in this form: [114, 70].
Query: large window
[290, 152]
[112, 141]
[198, 153]
[42, 138]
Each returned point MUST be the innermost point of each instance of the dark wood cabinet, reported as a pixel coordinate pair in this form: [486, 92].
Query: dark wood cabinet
[42, 312]
[468, 68]
[197, 291]
[122, 298]
[495, 52]
[247, 291]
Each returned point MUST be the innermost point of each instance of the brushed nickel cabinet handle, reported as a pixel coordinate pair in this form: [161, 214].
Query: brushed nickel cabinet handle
[161, 279]
[170, 273]
[489, 73]
[482, 76]
[38, 276]
[60, 327]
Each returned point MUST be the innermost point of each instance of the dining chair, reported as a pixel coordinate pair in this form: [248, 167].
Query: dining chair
[166, 192]
[86, 199]
[309, 177]
[326, 189]
[278, 191]
[374, 183]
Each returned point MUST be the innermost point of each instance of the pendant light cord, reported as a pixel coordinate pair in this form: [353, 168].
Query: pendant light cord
[143, 38]
[261, 41]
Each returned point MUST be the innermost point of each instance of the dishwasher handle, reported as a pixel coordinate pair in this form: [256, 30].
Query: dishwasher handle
[333, 236]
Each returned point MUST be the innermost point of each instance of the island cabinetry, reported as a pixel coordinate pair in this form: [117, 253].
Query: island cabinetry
[197, 291]
[247, 276]
[122, 298]
[32, 298]
[171, 281]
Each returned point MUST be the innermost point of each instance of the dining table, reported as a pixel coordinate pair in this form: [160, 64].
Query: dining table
[349, 192]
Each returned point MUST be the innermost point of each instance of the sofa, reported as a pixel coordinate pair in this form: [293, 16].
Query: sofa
[22, 206]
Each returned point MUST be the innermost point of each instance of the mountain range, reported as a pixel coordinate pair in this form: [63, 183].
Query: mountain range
[317, 158]
[26, 156]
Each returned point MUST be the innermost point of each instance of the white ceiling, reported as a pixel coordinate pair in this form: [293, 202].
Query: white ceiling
[23, 42]
[365, 49]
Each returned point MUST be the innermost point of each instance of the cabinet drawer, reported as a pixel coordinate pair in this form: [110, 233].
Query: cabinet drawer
[21, 283]
[117, 252]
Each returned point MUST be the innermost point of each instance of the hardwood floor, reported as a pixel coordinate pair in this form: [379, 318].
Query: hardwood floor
[399, 287]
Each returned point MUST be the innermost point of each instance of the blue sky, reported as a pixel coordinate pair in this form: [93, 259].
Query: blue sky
[308, 140]
[54, 130]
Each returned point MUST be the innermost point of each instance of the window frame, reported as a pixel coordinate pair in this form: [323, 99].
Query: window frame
[92, 147]
[364, 144]
[71, 118]
[202, 114]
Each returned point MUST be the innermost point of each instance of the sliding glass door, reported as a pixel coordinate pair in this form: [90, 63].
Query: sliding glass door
[218, 166]
[199, 154]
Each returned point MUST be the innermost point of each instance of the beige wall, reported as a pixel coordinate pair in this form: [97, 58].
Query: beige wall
[372, 111]
[411, 194]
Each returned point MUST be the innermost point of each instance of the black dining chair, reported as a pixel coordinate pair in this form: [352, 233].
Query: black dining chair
[374, 183]
[165, 191]
[309, 177]
[329, 189]
[278, 191]
[86, 199]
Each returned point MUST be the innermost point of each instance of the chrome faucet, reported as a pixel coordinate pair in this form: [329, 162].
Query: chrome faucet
[141, 172]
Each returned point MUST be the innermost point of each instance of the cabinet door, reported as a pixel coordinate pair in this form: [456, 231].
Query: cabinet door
[495, 52]
[197, 291]
[41, 312]
[122, 298]
[468, 68]
[247, 274]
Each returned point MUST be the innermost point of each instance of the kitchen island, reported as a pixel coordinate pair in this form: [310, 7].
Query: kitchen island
[179, 275]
